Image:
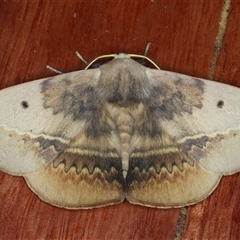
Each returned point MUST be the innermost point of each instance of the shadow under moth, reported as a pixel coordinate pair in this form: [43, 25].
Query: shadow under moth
[122, 131]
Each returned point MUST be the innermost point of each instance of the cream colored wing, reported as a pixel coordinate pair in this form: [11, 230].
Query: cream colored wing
[32, 133]
[53, 132]
[207, 122]
[196, 140]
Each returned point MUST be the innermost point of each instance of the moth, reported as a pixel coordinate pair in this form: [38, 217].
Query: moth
[95, 137]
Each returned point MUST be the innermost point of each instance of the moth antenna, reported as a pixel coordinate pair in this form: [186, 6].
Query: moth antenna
[81, 57]
[144, 57]
[53, 69]
[120, 56]
[103, 56]
[147, 48]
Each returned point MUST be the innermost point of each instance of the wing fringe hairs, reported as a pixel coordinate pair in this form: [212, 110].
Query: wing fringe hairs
[95, 137]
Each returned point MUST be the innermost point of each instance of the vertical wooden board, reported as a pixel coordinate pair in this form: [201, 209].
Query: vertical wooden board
[218, 216]
[36, 33]
[228, 64]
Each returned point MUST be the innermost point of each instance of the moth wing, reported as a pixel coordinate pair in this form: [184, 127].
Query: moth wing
[24, 127]
[50, 132]
[198, 128]
[209, 132]
[32, 134]
[73, 190]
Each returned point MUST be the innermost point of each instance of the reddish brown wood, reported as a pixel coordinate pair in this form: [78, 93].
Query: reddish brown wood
[182, 36]
[228, 65]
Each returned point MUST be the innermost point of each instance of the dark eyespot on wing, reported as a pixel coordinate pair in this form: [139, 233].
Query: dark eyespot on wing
[24, 104]
[220, 104]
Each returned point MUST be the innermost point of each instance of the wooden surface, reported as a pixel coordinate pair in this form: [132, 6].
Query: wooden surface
[185, 37]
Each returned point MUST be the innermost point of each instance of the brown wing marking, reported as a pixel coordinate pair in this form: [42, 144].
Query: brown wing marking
[162, 174]
[80, 181]
[26, 152]
[168, 180]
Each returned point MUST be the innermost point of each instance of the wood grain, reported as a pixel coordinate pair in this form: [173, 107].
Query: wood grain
[182, 35]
